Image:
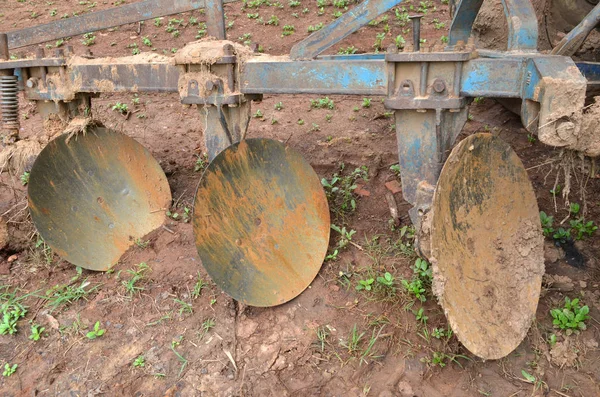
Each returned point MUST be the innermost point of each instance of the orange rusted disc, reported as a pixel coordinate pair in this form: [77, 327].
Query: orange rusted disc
[93, 195]
[487, 246]
[261, 222]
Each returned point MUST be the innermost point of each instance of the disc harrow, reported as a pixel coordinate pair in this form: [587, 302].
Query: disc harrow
[260, 218]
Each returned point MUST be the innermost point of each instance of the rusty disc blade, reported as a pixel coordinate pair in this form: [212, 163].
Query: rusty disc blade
[92, 196]
[261, 222]
[487, 246]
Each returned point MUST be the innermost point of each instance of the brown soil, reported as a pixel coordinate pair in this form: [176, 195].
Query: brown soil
[275, 351]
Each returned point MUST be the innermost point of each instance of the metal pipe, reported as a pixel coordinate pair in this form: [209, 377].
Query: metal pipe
[569, 45]
[215, 19]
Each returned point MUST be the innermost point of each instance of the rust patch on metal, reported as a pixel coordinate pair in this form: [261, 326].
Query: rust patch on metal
[487, 246]
[92, 196]
[261, 222]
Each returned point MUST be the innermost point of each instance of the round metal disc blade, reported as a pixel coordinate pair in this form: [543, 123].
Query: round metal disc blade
[487, 246]
[91, 197]
[261, 222]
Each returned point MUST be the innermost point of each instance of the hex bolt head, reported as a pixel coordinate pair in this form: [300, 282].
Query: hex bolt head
[439, 86]
[32, 82]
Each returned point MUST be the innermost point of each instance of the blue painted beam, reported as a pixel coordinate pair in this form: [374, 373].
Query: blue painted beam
[327, 77]
[100, 20]
[339, 29]
[495, 78]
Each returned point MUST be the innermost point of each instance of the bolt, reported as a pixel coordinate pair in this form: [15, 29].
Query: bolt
[416, 21]
[32, 82]
[439, 86]
[228, 49]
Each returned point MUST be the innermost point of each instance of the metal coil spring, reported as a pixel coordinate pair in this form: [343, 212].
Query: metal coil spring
[9, 101]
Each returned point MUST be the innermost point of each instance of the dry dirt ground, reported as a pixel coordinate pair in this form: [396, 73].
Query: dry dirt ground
[178, 336]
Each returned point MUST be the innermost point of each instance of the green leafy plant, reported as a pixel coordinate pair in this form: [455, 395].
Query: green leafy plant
[96, 332]
[314, 28]
[137, 275]
[415, 287]
[279, 105]
[582, 228]
[288, 30]
[121, 108]
[322, 103]
[345, 235]
[24, 178]
[201, 163]
[88, 39]
[340, 188]
[184, 307]
[400, 41]
[366, 285]
[562, 235]
[571, 317]
[547, 222]
[366, 103]
[387, 280]
[9, 370]
[347, 50]
[420, 316]
[36, 332]
[139, 362]
[206, 326]
[258, 114]
[198, 287]
[422, 270]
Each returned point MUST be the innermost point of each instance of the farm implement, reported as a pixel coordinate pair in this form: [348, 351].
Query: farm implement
[261, 218]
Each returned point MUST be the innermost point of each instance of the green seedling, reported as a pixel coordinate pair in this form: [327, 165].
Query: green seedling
[258, 114]
[353, 341]
[322, 335]
[422, 270]
[146, 41]
[340, 189]
[141, 243]
[88, 39]
[288, 30]
[379, 41]
[314, 28]
[139, 362]
[400, 42]
[347, 50]
[438, 333]
[547, 222]
[198, 287]
[12, 312]
[582, 228]
[555, 191]
[415, 287]
[131, 285]
[366, 285]
[322, 103]
[121, 108]
[300, 122]
[206, 326]
[366, 103]
[574, 208]
[96, 332]
[201, 163]
[445, 40]
[63, 295]
[157, 22]
[278, 106]
[181, 359]
[571, 317]
[420, 316]
[184, 307]
[36, 332]
[273, 21]
[9, 370]
[562, 235]
[552, 340]
[24, 178]
[315, 127]
[387, 280]
[345, 235]
[395, 169]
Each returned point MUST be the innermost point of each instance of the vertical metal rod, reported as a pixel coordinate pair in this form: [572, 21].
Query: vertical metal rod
[416, 22]
[215, 19]
[423, 82]
[3, 47]
[458, 67]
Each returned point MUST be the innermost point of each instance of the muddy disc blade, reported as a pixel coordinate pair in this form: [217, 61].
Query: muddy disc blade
[92, 196]
[261, 222]
[487, 246]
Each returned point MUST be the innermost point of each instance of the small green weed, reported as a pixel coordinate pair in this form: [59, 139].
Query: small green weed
[340, 189]
[547, 222]
[366, 103]
[96, 332]
[201, 163]
[24, 178]
[9, 370]
[198, 287]
[206, 326]
[571, 317]
[36, 332]
[184, 307]
[62, 295]
[366, 285]
[322, 103]
[88, 39]
[139, 362]
[121, 108]
[137, 275]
